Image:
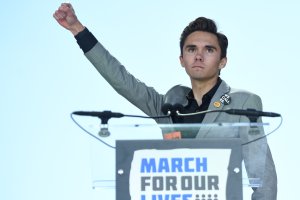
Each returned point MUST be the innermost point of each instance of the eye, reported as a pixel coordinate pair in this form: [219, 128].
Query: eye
[210, 50]
[191, 49]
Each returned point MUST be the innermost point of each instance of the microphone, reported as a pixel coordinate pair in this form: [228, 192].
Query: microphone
[175, 99]
[104, 116]
[251, 113]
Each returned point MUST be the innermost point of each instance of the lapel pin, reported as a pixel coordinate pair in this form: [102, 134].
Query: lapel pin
[217, 104]
[225, 99]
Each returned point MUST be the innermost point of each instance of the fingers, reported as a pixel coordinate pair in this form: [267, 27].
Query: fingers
[67, 6]
[59, 15]
[63, 11]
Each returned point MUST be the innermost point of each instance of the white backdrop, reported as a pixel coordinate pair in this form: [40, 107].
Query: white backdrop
[44, 77]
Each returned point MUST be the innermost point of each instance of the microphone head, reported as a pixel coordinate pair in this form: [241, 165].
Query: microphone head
[169, 109]
[175, 99]
[166, 108]
[178, 107]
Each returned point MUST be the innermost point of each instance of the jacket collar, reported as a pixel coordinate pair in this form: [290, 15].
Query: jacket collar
[217, 103]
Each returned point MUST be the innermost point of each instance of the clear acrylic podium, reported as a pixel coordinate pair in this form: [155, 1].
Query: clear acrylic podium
[136, 162]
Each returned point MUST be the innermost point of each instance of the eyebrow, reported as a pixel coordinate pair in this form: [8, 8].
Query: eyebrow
[190, 46]
[206, 46]
[211, 47]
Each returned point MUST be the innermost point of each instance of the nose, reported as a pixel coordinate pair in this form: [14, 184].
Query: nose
[199, 56]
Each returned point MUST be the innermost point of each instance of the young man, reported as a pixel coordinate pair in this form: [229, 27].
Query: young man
[203, 55]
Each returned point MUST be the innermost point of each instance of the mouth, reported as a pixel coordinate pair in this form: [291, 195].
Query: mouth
[198, 67]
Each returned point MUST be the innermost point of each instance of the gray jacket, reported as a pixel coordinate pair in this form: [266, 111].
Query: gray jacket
[257, 156]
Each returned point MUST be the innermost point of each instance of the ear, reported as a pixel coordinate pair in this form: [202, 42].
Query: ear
[223, 63]
[181, 61]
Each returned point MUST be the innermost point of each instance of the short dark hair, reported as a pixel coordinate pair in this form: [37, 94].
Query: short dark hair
[206, 25]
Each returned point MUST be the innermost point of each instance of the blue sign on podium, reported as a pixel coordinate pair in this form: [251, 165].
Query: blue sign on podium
[185, 169]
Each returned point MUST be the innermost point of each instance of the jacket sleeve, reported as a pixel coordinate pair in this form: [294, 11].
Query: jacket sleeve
[139, 94]
[257, 155]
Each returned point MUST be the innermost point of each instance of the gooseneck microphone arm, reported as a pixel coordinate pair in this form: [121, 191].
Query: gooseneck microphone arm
[104, 116]
[252, 114]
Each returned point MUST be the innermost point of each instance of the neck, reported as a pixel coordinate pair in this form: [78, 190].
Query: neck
[200, 88]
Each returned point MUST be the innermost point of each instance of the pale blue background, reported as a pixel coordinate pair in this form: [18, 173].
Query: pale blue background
[44, 77]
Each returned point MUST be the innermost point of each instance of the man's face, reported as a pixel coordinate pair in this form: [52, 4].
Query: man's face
[201, 56]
